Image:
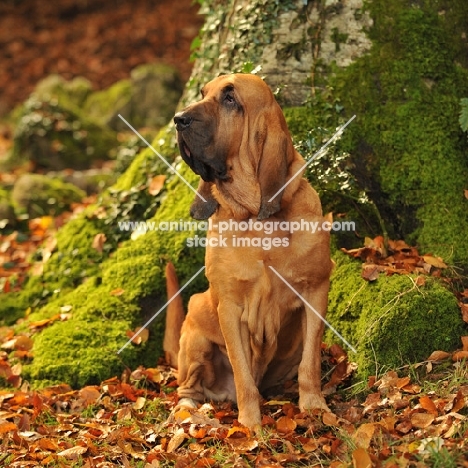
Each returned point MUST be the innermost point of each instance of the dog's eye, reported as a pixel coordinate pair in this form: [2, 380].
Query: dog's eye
[229, 99]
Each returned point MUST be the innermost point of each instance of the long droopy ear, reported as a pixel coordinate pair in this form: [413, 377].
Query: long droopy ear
[277, 153]
[201, 209]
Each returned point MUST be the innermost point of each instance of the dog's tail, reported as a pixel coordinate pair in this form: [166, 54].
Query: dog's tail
[174, 317]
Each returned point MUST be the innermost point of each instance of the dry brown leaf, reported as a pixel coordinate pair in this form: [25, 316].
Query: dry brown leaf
[156, 184]
[420, 280]
[458, 402]
[363, 435]
[427, 404]
[460, 355]
[20, 342]
[139, 403]
[285, 425]
[436, 262]
[465, 343]
[370, 272]
[140, 335]
[330, 419]
[181, 415]
[7, 427]
[117, 292]
[422, 420]
[177, 440]
[361, 458]
[48, 444]
[89, 394]
[73, 453]
[238, 432]
[464, 310]
[99, 241]
[438, 356]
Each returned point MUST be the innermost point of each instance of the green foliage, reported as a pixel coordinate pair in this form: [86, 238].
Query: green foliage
[39, 195]
[406, 145]
[464, 114]
[392, 322]
[55, 135]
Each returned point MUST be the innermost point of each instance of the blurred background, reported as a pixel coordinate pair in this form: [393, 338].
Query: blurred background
[101, 40]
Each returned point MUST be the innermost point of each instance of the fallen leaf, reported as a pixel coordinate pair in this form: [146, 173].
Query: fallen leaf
[460, 355]
[422, 420]
[117, 292]
[156, 184]
[370, 272]
[427, 404]
[434, 261]
[363, 435]
[139, 403]
[73, 453]
[285, 425]
[176, 441]
[465, 343]
[438, 356]
[89, 394]
[329, 419]
[361, 458]
[458, 402]
[7, 427]
[98, 242]
[140, 335]
[237, 432]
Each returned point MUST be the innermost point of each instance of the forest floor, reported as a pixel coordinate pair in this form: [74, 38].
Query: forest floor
[102, 40]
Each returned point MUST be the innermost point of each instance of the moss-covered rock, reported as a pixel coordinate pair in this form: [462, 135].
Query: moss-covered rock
[66, 92]
[39, 195]
[407, 145]
[148, 99]
[7, 212]
[392, 321]
[55, 134]
[109, 295]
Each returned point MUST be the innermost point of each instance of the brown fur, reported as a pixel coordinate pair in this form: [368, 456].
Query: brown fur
[249, 332]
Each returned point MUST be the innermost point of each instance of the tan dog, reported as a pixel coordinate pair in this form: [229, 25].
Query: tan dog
[250, 331]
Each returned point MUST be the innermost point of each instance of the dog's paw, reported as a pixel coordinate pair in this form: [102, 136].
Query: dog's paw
[184, 408]
[312, 401]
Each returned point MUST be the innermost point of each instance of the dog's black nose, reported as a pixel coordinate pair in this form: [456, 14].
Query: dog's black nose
[182, 121]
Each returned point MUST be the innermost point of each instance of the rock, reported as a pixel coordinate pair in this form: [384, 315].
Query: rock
[7, 212]
[391, 321]
[149, 99]
[39, 195]
[54, 86]
[54, 134]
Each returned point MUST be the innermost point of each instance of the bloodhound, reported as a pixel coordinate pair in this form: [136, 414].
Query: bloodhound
[259, 323]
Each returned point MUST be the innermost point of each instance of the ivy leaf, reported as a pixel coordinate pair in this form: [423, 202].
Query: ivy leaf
[463, 119]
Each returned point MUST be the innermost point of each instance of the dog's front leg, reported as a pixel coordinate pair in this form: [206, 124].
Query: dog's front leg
[309, 374]
[237, 341]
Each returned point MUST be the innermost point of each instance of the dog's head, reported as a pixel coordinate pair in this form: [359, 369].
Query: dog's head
[237, 134]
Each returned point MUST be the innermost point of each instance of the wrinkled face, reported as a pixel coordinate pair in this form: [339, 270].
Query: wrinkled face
[210, 131]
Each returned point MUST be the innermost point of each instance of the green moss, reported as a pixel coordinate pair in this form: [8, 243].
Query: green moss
[55, 134]
[82, 350]
[103, 105]
[7, 212]
[39, 195]
[392, 322]
[406, 143]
